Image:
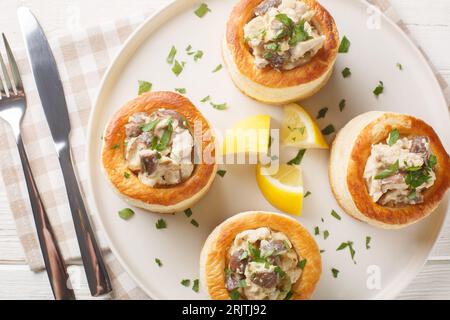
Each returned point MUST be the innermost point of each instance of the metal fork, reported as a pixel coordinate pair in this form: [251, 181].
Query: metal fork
[12, 109]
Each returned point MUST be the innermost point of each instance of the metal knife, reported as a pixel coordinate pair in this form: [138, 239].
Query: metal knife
[53, 101]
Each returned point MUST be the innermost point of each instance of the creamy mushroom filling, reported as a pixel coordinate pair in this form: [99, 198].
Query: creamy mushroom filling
[159, 147]
[262, 265]
[282, 34]
[399, 171]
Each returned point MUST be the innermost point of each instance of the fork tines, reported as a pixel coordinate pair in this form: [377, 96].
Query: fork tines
[13, 84]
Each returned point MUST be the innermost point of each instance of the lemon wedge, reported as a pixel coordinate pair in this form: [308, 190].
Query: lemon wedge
[299, 129]
[283, 189]
[250, 135]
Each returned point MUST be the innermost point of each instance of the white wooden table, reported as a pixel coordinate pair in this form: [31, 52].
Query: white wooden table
[429, 22]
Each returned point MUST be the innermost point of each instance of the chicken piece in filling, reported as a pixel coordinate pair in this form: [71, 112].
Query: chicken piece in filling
[159, 147]
[282, 34]
[399, 171]
[262, 265]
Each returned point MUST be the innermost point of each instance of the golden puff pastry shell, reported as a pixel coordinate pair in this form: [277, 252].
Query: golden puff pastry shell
[159, 199]
[349, 154]
[269, 85]
[214, 253]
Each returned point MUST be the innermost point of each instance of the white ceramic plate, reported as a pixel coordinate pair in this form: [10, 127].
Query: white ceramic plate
[396, 256]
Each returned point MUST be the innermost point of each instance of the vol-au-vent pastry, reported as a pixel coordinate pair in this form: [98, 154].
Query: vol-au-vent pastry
[388, 169]
[260, 256]
[150, 155]
[280, 51]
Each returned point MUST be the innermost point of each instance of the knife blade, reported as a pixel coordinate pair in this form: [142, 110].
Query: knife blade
[51, 93]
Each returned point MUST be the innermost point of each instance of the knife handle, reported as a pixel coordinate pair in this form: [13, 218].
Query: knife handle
[94, 266]
[53, 260]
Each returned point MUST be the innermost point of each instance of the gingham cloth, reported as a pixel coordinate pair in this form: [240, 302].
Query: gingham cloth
[82, 60]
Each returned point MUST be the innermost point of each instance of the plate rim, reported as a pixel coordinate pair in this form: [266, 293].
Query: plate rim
[390, 292]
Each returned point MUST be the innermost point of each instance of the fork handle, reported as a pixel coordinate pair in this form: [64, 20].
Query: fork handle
[54, 262]
[94, 265]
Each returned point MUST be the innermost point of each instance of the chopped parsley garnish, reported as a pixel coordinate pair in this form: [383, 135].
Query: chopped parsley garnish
[116, 146]
[205, 99]
[188, 49]
[254, 252]
[235, 295]
[126, 175]
[432, 161]
[198, 55]
[126, 213]
[307, 194]
[166, 136]
[328, 130]
[158, 262]
[322, 251]
[181, 90]
[344, 46]
[188, 212]
[326, 234]
[342, 105]
[218, 68]
[279, 272]
[161, 224]
[399, 66]
[393, 137]
[389, 171]
[335, 272]
[368, 242]
[349, 245]
[221, 173]
[379, 89]
[335, 215]
[202, 10]
[299, 33]
[298, 158]
[195, 223]
[186, 282]
[177, 68]
[322, 113]
[171, 56]
[316, 231]
[346, 72]
[289, 295]
[415, 179]
[218, 106]
[144, 86]
[302, 263]
[242, 283]
[195, 286]
[150, 126]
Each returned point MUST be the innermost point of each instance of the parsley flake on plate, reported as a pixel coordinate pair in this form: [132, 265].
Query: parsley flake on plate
[126, 213]
[346, 72]
[202, 10]
[368, 239]
[328, 130]
[195, 223]
[344, 46]
[219, 106]
[195, 286]
[198, 55]
[188, 212]
[144, 86]
[218, 68]
[335, 272]
[298, 158]
[379, 89]
[399, 66]
[316, 231]
[161, 224]
[307, 194]
[181, 90]
[172, 54]
[326, 234]
[342, 104]
[205, 99]
[158, 262]
[322, 113]
[221, 173]
[186, 282]
[177, 68]
[335, 215]
[349, 245]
